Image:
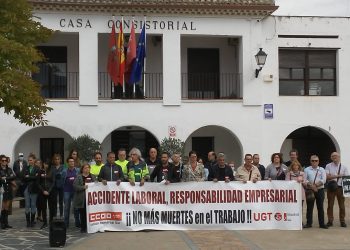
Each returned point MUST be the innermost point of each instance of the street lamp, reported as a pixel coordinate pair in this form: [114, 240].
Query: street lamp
[260, 58]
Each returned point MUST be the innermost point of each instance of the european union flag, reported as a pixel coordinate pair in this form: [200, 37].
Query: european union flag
[137, 67]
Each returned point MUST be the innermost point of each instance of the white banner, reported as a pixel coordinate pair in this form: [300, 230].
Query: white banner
[194, 206]
[346, 186]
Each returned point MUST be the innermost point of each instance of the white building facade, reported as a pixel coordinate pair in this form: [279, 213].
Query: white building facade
[199, 79]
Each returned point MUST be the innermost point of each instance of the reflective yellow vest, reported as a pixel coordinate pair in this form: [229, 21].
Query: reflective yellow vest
[95, 169]
[136, 173]
[124, 167]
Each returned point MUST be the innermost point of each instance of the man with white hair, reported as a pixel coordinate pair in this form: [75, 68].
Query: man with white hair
[335, 171]
[137, 169]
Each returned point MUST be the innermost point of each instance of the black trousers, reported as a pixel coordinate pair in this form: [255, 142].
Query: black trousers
[82, 213]
[56, 192]
[319, 198]
[45, 200]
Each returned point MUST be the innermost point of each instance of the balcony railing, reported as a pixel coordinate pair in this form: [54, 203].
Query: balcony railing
[58, 85]
[211, 86]
[153, 88]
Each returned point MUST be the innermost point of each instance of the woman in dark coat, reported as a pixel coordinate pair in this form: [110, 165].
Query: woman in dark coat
[45, 186]
[30, 179]
[80, 185]
[7, 177]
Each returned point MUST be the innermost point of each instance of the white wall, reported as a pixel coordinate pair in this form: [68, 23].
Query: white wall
[244, 118]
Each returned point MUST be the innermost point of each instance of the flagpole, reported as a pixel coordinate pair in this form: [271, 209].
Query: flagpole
[112, 83]
[144, 66]
[133, 87]
[122, 47]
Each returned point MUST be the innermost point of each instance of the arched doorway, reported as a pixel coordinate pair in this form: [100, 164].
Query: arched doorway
[215, 138]
[128, 137]
[308, 141]
[43, 142]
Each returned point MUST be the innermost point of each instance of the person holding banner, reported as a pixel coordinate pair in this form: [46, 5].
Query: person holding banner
[7, 177]
[221, 171]
[296, 173]
[177, 169]
[276, 170]
[111, 171]
[193, 171]
[152, 161]
[315, 178]
[163, 171]
[335, 171]
[96, 168]
[122, 161]
[248, 172]
[137, 169]
[80, 185]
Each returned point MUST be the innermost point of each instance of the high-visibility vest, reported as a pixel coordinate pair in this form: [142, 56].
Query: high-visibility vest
[95, 169]
[123, 165]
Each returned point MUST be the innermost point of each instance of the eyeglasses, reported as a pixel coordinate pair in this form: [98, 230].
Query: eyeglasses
[3, 160]
[314, 160]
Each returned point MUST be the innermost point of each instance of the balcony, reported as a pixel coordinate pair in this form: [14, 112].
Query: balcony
[203, 86]
[152, 90]
[58, 85]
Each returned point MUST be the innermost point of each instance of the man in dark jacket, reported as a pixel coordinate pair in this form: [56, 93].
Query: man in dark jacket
[111, 171]
[152, 161]
[211, 163]
[221, 171]
[177, 169]
[163, 171]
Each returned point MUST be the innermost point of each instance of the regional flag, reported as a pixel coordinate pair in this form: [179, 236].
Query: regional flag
[137, 67]
[112, 63]
[120, 55]
[131, 53]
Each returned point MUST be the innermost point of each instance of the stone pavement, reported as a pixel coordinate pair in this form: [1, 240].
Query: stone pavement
[314, 238]
[21, 237]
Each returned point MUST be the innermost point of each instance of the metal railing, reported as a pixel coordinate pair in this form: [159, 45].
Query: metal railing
[58, 85]
[211, 86]
[153, 89]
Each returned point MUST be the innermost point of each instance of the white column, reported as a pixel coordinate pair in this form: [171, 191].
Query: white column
[88, 68]
[171, 69]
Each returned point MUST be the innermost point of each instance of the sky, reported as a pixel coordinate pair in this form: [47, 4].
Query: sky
[313, 8]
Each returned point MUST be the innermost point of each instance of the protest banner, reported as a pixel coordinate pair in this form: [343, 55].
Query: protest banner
[194, 206]
[346, 186]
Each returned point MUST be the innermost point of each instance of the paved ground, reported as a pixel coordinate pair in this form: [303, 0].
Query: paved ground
[334, 238]
[21, 237]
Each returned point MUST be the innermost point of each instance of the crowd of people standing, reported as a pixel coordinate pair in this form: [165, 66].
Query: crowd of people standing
[59, 187]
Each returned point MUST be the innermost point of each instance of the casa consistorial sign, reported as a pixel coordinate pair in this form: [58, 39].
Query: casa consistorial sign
[87, 23]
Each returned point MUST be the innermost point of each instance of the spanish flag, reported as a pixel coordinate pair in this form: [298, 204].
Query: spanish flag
[120, 56]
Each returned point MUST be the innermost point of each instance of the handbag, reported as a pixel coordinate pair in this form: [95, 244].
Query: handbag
[332, 185]
[309, 192]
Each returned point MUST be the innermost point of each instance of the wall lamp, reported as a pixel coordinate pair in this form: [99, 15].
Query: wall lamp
[260, 58]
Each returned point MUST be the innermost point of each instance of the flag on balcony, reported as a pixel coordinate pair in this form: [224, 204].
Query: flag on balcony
[112, 64]
[120, 56]
[137, 67]
[131, 53]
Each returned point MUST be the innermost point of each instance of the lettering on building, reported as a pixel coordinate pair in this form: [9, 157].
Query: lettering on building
[75, 23]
